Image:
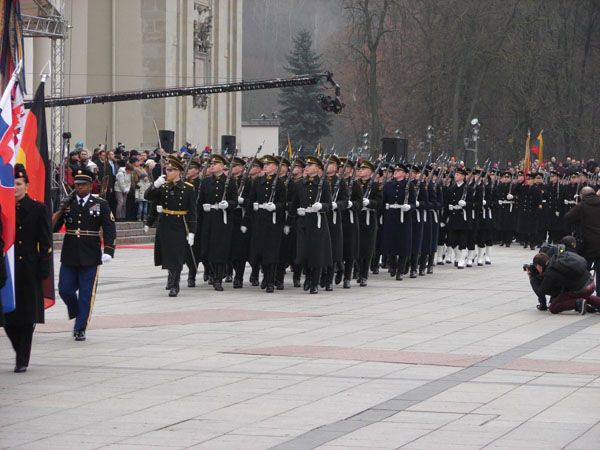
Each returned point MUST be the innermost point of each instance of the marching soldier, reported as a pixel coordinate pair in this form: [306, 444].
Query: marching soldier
[552, 208]
[311, 200]
[175, 233]
[339, 202]
[485, 218]
[417, 215]
[297, 175]
[505, 216]
[218, 197]
[436, 204]
[33, 256]
[457, 224]
[255, 172]
[240, 238]
[350, 226]
[371, 198]
[398, 199]
[83, 216]
[287, 240]
[266, 203]
[193, 252]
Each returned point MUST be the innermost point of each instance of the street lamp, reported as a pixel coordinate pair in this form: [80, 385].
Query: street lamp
[429, 139]
[366, 142]
[475, 136]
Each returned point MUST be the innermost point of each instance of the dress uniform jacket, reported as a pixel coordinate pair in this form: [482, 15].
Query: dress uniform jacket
[396, 235]
[178, 211]
[457, 220]
[217, 224]
[350, 217]
[530, 202]
[197, 246]
[334, 218]
[505, 212]
[267, 226]
[81, 244]
[552, 207]
[418, 216]
[288, 241]
[436, 204]
[567, 200]
[33, 256]
[313, 243]
[240, 242]
[368, 220]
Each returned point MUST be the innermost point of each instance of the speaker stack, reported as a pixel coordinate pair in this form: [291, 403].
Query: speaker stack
[394, 147]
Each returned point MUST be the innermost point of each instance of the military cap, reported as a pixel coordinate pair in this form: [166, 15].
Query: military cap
[196, 163]
[367, 165]
[219, 159]
[270, 159]
[554, 173]
[83, 175]
[257, 163]
[506, 173]
[416, 169]
[575, 174]
[346, 161]
[532, 175]
[175, 162]
[299, 162]
[314, 160]
[284, 161]
[334, 159]
[237, 161]
[20, 172]
[461, 171]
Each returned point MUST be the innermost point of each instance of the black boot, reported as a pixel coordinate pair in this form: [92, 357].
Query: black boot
[393, 265]
[307, 280]
[191, 281]
[430, 263]
[169, 281]
[422, 264]
[346, 284]
[238, 283]
[174, 283]
[414, 262]
[296, 276]
[315, 278]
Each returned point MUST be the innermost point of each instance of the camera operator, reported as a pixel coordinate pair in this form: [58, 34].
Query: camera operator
[566, 279]
[586, 215]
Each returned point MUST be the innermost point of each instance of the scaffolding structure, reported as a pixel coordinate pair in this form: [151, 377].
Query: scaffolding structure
[49, 22]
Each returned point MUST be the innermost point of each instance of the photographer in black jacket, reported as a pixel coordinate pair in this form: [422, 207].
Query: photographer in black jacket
[566, 279]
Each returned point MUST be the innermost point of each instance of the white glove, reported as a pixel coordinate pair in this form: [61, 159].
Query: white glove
[240, 200]
[159, 208]
[270, 206]
[509, 197]
[556, 213]
[576, 196]
[206, 207]
[417, 204]
[286, 229]
[301, 211]
[160, 181]
[146, 229]
[349, 204]
[462, 203]
[387, 206]
[499, 202]
[223, 204]
[190, 238]
[333, 206]
[442, 224]
[255, 206]
[451, 207]
[405, 207]
[106, 258]
[366, 202]
[243, 229]
[566, 202]
[484, 203]
[317, 207]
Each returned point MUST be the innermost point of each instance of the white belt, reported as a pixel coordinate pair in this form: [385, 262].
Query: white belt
[274, 213]
[435, 216]
[310, 211]
[216, 206]
[335, 217]
[368, 218]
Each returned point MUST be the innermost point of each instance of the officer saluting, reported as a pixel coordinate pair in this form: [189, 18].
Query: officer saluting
[175, 202]
[83, 215]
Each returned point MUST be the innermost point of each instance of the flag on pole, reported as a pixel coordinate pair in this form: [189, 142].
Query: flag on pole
[290, 151]
[538, 147]
[527, 160]
[318, 150]
[33, 154]
[11, 118]
[11, 41]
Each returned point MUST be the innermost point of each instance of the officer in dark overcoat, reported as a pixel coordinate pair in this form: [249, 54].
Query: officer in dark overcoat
[33, 259]
[310, 202]
[240, 238]
[457, 225]
[350, 226]
[83, 215]
[296, 175]
[505, 212]
[266, 204]
[192, 258]
[552, 208]
[286, 249]
[371, 199]
[436, 203]
[175, 203]
[218, 197]
[398, 199]
[418, 217]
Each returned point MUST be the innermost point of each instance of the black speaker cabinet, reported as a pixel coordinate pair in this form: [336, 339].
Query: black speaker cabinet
[227, 144]
[394, 147]
[167, 140]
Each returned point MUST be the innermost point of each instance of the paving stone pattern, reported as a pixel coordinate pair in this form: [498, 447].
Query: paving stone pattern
[460, 359]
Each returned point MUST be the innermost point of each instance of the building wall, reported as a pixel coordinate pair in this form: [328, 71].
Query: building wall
[117, 45]
[252, 136]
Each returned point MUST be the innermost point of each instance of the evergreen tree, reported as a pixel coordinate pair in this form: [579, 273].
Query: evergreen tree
[302, 118]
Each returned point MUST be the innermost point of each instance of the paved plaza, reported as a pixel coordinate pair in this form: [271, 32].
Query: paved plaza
[460, 359]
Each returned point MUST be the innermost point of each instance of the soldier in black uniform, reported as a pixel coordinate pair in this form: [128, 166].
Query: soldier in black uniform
[311, 200]
[552, 207]
[296, 175]
[83, 215]
[193, 252]
[371, 198]
[266, 203]
[175, 203]
[398, 199]
[287, 240]
[218, 197]
[350, 227]
[505, 213]
[33, 257]
[484, 238]
[255, 172]
[418, 216]
[339, 196]
[240, 238]
[457, 224]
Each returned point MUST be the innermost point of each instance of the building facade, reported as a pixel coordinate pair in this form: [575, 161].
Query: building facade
[116, 45]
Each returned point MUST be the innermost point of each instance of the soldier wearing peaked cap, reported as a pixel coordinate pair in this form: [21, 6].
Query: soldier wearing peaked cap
[175, 202]
[311, 200]
[266, 206]
[193, 252]
[218, 199]
[33, 256]
[350, 226]
[240, 237]
[288, 240]
[458, 226]
[297, 173]
[83, 215]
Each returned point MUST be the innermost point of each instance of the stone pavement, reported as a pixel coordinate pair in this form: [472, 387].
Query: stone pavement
[460, 359]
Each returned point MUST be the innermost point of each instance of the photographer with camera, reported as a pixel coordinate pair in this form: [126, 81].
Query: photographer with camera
[566, 279]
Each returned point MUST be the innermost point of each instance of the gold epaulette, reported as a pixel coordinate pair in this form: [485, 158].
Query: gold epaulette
[188, 183]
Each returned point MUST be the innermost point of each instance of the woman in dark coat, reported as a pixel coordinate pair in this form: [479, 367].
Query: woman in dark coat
[33, 253]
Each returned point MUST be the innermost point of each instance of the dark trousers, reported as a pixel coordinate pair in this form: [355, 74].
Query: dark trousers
[535, 282]
[21, 337]
[566, 301]
[189, 262]
[239, 267]
[77, 288]
[458, 238]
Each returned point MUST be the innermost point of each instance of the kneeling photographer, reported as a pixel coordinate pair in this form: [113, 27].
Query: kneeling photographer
[566, 279]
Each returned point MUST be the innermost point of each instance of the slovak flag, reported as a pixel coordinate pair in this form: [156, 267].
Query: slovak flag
[11, 125]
